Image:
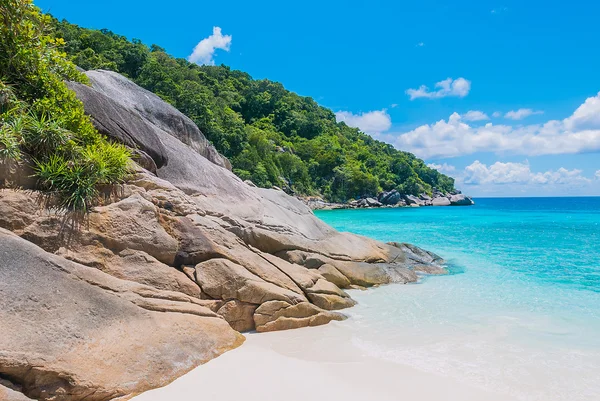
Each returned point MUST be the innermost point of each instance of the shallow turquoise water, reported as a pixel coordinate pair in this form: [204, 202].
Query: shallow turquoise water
[520, 313]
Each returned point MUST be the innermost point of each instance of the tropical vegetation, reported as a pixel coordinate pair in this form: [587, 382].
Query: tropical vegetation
[41, 121]
[271, 135]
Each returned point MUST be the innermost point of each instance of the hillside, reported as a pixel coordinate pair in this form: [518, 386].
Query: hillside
[271, 135]
[173, 257]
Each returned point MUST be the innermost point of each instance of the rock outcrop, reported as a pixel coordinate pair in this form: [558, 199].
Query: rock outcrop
[394, 198]
[171, 266]
[9, 392]
[73, 332]
[440, 201]
[460, 200]
[134, 116]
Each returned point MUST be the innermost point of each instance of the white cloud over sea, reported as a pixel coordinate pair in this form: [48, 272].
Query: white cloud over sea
[472, 133]
[205, 49]
[454, 137]
[459, 87]
[502, 178]
[518, 173]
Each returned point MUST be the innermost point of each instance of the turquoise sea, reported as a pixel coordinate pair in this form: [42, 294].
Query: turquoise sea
[520, 311]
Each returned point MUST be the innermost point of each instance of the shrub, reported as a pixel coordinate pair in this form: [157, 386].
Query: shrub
[42, 118]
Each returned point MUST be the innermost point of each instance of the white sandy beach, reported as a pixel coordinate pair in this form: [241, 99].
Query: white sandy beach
[312, 364]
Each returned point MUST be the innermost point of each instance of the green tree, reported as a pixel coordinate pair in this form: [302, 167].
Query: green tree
[271, 135]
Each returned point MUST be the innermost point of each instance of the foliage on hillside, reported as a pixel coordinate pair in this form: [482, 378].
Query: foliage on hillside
[272, 136]
[41, 121]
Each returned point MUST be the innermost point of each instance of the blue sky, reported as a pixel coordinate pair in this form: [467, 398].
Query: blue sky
[527, 70]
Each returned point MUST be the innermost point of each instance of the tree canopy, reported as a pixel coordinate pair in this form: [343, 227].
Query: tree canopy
[271, 135]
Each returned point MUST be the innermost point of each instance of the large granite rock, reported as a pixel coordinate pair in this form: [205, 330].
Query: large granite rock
[440, 201]
[412, 200]
[122, 124]
[421, 260]
[182, 249]
[390, 197]
[130, 114]
[461, 200]
[154, 234]
[72, 332]
[10, 392]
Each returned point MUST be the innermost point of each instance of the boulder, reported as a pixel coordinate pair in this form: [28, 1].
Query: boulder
[8, 393]
[332, 274]
[440, 201]
[430, 269]
[412, 200]
[16, 174]
[461, 200]
[239, 315]
[132, 223]
[195, 245]
[223, 279]
[421, 260]
[279, 315]
[18, 209]
[136, 266]
[330, 301]
[373, 202]
[102, 337]
[122, 124]
[390, 197]
[136, 101]
[364, 274]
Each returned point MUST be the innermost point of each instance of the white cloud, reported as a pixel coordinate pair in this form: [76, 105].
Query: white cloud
[496, 114]
[420, 44]
[371, 122]
[597, 174]
[442, 168]
[587, 116]
[521, 114]
[454, 137]
[205, 49]
[518, 173]
[475, 115]
[459, 87]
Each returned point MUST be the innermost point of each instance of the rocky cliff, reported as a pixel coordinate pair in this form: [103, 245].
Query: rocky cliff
[169, 269]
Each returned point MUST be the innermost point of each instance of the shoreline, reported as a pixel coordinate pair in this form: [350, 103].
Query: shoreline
[391, 199]
[312, 363]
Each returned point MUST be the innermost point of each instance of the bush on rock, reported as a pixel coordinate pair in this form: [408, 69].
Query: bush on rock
[42, 123]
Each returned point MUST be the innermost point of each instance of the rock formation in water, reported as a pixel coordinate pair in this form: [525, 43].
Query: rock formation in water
[165, 274]
[394, 198]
